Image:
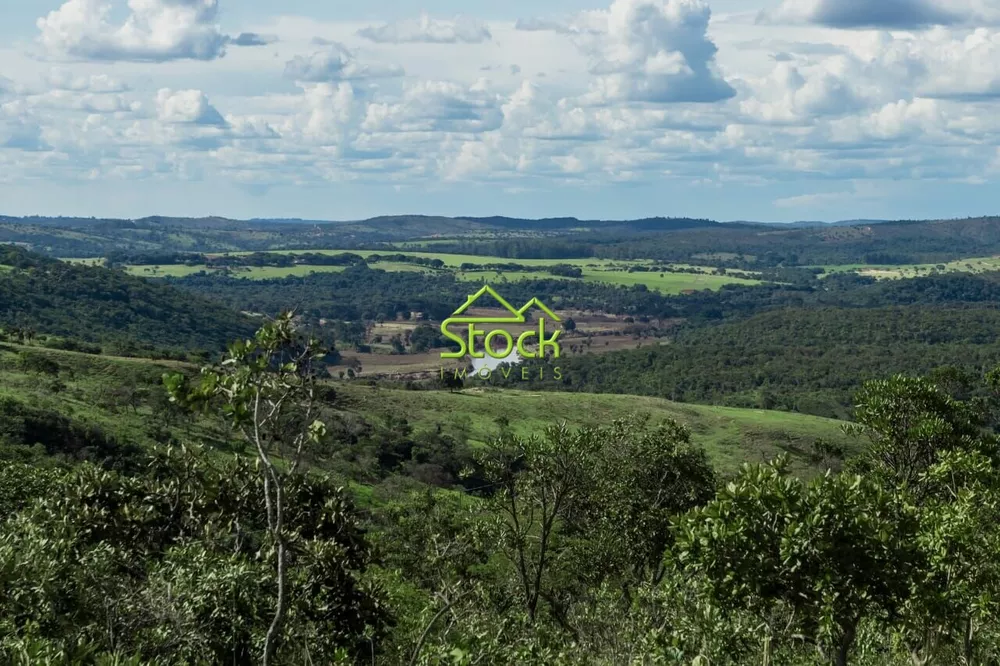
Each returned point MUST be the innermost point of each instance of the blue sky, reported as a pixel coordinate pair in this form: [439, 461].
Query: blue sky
[731, 109]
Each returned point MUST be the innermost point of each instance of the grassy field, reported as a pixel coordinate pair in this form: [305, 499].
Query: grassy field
[730, 436]
[972, 265]
[594, 270]
[666, 283]
[87, 389]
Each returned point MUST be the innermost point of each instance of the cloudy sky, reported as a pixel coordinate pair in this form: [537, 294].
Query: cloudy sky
[730, 109]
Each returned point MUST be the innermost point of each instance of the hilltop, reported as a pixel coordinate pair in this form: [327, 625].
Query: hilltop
[752, 244]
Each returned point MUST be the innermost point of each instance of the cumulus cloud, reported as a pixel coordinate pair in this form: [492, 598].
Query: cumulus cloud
[966, 68]
[153, 31]
[654, 51]
[793, 95]
[329, 115]
[903, 119]
[888, 14]
[61, 79]
[876, 104]
[22, 135]
[427, 30]
[187, 107]
[438, 106]
[336, 64]
[253, 39]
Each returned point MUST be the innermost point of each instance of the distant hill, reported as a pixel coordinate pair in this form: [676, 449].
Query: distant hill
[105, 306]
[684, 240]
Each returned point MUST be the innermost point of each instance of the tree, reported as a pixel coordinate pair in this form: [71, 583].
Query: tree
[833, 552]
[908, 422]
[266, 389]
[932, 451]
[569, 324]
[452, 381]
[644, 477]
[538, 484]
[955, 590]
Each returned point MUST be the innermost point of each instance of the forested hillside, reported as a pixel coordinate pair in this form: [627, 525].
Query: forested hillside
[807, 360]
[286, 504]
[97, 305]
[356, 522]
[667, 239]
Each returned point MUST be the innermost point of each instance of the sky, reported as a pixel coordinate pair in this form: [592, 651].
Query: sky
[772, 110]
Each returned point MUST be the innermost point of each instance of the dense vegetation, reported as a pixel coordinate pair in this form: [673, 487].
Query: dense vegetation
[97, 305]
[666, 239]
[808, 360]
[605, 544]
[258, 510]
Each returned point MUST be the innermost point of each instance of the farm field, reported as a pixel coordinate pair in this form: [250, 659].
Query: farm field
[595, 333]
[606, 271]
[887, 272]
[256, 272]
[731, 436]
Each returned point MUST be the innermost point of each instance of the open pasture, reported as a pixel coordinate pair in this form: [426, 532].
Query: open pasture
[889, 272]
[659, 277]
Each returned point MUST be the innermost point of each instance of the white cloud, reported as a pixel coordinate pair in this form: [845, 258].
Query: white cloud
[186, 106]
[903, 119]
[437, 106]
[654, 51]
[966, 68]
[337, 63]
[789, 96]
[619, 104]
[461, 29]
[884, 14]
[62, 79]
[23, 135]
[154, 31]
[329, 115]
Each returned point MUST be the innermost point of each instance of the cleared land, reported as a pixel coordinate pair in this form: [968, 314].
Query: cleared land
[665, 278]
[887, 272]
[595, 333]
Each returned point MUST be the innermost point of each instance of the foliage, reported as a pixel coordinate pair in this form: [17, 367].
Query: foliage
[95, 304]
[170, 566]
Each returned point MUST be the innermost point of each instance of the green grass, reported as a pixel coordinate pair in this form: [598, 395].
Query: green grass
[85, 261]
[970, 265]
[85, 394]
[730, 436]
[666, 283]
[605, 271]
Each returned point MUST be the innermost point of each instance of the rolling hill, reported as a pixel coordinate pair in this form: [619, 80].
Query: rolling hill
[100, 305]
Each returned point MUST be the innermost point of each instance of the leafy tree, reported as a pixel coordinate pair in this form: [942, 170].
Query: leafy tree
[908, 422]
[833, 552]
[266, 388]
[643, 478]
[538, 484]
